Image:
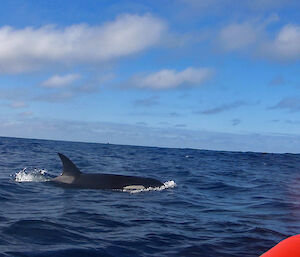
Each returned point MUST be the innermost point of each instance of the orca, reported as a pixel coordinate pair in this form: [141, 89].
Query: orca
[73, 177]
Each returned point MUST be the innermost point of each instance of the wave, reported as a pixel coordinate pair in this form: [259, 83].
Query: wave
[36, 175]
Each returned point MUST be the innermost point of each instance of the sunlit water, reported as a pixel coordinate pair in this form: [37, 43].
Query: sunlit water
[211, 203]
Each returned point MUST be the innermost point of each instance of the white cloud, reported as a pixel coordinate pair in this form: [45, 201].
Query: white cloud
[238, 36]
[58, 81]
[223, 108]
[247, 35]
[253, 38]
[32, 48]
[18, 104]
[286, 45]
[256, 5]
[166, 79]
[25, 114]
[146, 102]
[270, 4]
[290, 103]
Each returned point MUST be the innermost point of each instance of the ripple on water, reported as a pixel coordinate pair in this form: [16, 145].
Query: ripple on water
[225, 204]
[42, 232]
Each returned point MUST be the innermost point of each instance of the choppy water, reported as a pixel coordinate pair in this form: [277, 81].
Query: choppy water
[224, 204]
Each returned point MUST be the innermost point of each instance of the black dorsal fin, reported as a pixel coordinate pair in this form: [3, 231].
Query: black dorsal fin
[69, 168]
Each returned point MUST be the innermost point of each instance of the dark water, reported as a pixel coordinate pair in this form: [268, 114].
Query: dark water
[224, 204]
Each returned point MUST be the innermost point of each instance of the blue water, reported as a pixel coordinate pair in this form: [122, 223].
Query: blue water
[224, 204]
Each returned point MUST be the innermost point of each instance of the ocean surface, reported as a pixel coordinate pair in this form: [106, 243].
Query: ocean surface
[213, 203]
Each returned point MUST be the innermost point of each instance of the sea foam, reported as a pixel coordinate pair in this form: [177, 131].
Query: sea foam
[167, 184]
[36, 175]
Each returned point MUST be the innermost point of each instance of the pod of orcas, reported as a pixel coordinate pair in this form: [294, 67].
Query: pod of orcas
[73, 177]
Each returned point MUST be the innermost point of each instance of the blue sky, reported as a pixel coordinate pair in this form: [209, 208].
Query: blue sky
[216, 74]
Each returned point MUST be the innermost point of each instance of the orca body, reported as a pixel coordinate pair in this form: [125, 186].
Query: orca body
[73, 177]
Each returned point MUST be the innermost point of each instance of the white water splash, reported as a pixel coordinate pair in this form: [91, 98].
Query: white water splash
[36, 175]
[167, 184]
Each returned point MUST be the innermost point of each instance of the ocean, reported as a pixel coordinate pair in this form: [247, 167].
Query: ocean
[213, 203]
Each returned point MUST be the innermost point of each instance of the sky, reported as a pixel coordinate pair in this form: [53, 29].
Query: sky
[204, 74]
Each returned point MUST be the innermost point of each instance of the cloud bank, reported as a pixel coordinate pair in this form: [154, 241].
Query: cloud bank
[145, 135]
[31, 48]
